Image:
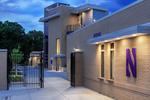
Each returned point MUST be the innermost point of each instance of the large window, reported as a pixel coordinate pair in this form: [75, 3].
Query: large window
[111, 60]
[58, 45]
[102, 60]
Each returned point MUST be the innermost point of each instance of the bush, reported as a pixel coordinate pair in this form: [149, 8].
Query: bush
[16, 79]
[15, 70]
[14, 73]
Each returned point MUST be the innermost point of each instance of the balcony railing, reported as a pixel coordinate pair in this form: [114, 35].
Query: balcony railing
[72, 28]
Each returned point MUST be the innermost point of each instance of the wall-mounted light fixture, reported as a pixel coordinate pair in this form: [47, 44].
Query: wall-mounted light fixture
[75, 49]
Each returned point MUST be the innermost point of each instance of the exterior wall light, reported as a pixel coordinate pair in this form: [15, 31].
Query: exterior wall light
[94, 20]
[118, 38]
[134, 35]
[76, 49]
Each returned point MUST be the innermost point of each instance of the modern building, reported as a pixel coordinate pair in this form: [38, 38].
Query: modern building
[35, 58]
[110, 55]
[61, 19]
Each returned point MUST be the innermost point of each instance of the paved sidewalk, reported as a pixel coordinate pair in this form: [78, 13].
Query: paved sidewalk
[56, 88]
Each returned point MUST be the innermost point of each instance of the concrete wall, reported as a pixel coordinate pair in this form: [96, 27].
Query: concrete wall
[87, 17]
[3, 69]
[57, 29]
[122, 88]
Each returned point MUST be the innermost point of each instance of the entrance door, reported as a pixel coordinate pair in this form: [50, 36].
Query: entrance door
[73, 69]
[57, 64]
[76, 69]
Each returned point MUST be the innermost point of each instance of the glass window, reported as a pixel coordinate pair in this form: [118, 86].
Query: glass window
[111, 60]
[111, 64]
[58, 46]
[102, 64]
[102, 47]
[102, 61]
[112, 45]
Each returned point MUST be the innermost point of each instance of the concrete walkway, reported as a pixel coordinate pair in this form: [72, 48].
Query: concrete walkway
[56, 88]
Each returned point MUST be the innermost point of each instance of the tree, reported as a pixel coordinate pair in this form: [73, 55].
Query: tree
[36, 39]
[16, 56]
[11, 35]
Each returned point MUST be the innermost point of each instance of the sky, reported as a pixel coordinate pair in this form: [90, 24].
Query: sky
[28, 12]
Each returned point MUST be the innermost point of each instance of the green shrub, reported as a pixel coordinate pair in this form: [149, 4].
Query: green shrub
[14, 73]
[15, 70]
[16, 79]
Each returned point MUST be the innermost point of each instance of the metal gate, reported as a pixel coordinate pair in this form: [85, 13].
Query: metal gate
[23, 73]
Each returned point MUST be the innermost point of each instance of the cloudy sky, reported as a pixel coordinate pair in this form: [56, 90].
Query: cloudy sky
[28, 12]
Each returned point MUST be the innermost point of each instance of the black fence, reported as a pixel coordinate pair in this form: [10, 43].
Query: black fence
[25, 72]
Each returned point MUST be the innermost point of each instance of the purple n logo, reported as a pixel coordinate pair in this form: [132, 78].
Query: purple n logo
[130, 62]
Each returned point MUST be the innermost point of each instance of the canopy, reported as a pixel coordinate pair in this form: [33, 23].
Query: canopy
[121, 34]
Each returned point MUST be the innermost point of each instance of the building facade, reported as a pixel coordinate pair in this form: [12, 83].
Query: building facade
[112, 50]
[116, 63]
[35, 58]
[62, 19]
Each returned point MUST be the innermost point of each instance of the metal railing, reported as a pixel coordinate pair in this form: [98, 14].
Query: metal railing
[72, 28]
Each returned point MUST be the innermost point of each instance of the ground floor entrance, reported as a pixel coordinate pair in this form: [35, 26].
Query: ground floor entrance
[76, 69]
[58, 63]
[23, 74]
[56, 87]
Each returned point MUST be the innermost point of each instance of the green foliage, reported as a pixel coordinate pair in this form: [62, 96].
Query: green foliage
[16, 79]
[13, 35]
[16, 56]
[36, 40]
[15, 70]
[14, 73]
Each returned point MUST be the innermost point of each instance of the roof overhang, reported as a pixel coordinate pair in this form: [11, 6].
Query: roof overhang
[59, 55]
[121, 34]
[87, 7]
[45, 19]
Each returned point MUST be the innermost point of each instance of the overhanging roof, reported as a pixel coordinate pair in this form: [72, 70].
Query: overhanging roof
[86, 7]
[59, 55]
[121, 34]
[45, 19]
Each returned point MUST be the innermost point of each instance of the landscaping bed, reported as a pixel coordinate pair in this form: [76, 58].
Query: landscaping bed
[16, 79]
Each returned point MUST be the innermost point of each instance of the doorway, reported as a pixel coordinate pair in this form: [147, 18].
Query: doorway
[57, 64]
[73, 69]
[76, 69]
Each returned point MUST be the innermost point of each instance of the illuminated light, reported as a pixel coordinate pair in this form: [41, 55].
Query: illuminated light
[76, 49]
[106, 41]
[94, 20]
[58, 45]
[118, 38]
[134, 35]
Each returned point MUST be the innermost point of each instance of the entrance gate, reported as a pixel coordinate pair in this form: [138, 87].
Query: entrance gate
[22, 73]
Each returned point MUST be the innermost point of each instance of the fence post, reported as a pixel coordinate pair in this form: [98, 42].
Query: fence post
[41, 71]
